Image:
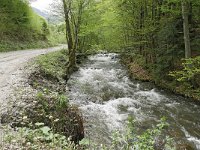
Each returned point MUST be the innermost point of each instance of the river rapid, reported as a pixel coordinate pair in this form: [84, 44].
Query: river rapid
[106, 97]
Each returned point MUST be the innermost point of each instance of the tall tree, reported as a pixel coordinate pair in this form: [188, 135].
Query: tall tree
[73, 14]
[185, 14]
[72, 58]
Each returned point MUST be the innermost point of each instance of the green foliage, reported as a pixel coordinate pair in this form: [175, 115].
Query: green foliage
[63, 101]
[131, 140]
[100, 27]
[40, 138]
[154, 30]
[10, 45]
[57, 34]
[53, 64]
[20, 27]
[52, 105]
[190, 72]
[17, 17]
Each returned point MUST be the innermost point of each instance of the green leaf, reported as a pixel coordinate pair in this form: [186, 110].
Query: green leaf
[84, 142]
[45, 130]
[39, 124]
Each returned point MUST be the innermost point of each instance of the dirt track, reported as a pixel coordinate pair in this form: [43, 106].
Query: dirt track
[11, 71]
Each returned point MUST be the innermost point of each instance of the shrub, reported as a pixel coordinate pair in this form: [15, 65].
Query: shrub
[190, 72]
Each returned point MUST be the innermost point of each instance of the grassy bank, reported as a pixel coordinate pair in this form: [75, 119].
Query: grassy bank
[21, 28]
[137, 69]
[47, 121]
[53, 107]
[9, 45]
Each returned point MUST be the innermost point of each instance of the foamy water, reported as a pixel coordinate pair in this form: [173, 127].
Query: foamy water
[106, 97]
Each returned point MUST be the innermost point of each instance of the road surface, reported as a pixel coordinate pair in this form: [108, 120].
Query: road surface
[11, 69]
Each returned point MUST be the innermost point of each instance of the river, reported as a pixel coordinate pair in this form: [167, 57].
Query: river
[106, 96]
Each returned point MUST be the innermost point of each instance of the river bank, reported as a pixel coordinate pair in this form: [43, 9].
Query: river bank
[138, 72]
[41, 113]
[107, 97]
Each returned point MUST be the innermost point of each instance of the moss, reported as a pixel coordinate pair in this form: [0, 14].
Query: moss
[183, 89]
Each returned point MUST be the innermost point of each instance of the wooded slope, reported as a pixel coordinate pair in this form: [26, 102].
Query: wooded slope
[18, 23]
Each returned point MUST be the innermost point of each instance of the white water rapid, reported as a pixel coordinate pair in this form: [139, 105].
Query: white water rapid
[106, 96]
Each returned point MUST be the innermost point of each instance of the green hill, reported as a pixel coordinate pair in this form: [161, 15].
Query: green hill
[20, 26]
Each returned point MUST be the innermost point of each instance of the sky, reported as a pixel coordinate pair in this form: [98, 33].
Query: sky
[41, 4]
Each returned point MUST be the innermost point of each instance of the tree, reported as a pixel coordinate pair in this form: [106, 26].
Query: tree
[72, 58]
[73, 15]
[185, 14]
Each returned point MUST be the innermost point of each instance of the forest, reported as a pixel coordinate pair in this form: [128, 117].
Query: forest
[128, 79]
[162, 37]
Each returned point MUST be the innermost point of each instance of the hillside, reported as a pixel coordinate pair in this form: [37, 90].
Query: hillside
[41, 13]
[20, 26]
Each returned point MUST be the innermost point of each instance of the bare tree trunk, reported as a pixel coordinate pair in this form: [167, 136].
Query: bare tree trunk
[185, 14]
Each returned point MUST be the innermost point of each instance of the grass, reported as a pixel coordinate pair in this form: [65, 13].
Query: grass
[52, 65]
[21, 28]
[8, 45]
[49, 106]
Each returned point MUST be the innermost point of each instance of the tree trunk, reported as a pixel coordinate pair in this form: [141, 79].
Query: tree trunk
[80, 11]
[72, 51]
[185, 14]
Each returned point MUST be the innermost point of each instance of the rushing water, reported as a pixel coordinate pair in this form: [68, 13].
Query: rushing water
[106, 96]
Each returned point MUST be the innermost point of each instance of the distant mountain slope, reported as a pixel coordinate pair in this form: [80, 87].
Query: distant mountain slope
[41, 13]
[47, 16]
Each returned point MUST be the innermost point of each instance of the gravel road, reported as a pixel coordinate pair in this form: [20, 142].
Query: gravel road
[12, 65]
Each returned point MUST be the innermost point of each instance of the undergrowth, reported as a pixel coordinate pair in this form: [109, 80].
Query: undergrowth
[48, 106]
[21, 28]
[183, 80]
[43, 137]
[52, 105]
[9, 45]
[52, 66]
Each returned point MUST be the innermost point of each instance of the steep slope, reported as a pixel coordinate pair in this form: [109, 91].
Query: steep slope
[20, 26]
[41, 13]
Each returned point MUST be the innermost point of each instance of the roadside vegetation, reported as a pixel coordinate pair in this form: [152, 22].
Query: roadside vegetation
[48, 120]
[22, 28]
[53, 108]
[43, 137]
